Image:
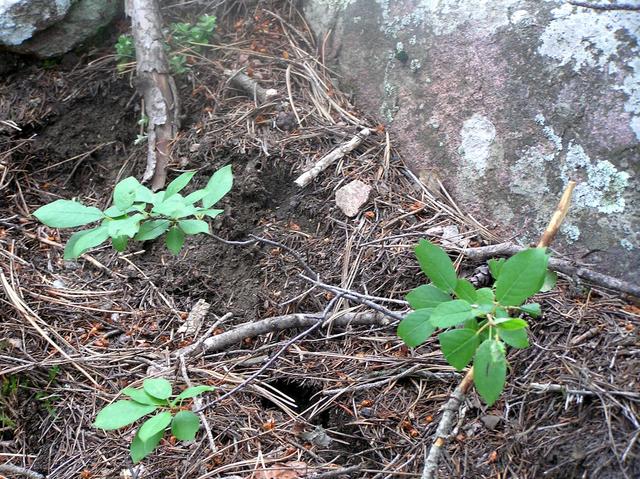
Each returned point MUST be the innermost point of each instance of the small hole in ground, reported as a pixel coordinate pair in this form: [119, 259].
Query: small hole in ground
[302, 395]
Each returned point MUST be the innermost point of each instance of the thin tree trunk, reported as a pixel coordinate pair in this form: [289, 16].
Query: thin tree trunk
[155, 83]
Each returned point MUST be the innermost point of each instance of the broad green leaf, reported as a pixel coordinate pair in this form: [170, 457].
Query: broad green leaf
[451, 313]
[124, 193]
[459, 346]
[121, 413]
[521, 276]
[174, 240]
[67, 214]
[501, 313]
[437, 265]
[511, 324]
[550, 280]
[426, 296]
[416, 327]
[144, 194]
[532, 309]
[490, 370]
[178, 184]
[125, 227]
[495, 265]
[219, 185]
[471, 324]
[84, 240]
[120, 243]
[141, 396]
[185, 425]
[151, 230]
[484, 333]
[158, 197]
[485, 296]
[114, 212]
[210, 213]
[465, 290]
[154, 425]
[193, 227]
[169, 206]
[515, 338]
[157, 387]
[197, 195]
[140, 449]
[192, 392]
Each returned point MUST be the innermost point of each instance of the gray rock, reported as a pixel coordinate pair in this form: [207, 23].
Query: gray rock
[506, 101]
[52, 28]
[352, 196]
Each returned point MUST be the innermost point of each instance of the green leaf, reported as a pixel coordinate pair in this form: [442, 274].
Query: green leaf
[471, 324]
[191, 392]
[437, 265]
[219, 185]
[140, 449]
[459, 346]
[157, 387]
[82, 241]
[158, 197]
[501, 313]
[416, 327]
[128, 226]
[121, 413]
[175, 240]
[485, 296]
[185, 425]
[151, 230]
[511, 324]
[67, 214]
[193, 227]
[154, 425]
[451, 313]
[144, 194]
[120, 243]
[515, 338]
[521, 276]
[178, 184]
[426, 296]
[124, 193]
[495, 265]
[114, 212]
[465, 290]
[550, 280]
[141, 396]
[532, 309]
[196, 196]
[490, 370]
[210, 213]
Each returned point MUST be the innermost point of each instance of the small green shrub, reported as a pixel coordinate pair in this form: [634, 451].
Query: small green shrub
[153, 396]
[479, 322]
[138, 213]
[125, 51]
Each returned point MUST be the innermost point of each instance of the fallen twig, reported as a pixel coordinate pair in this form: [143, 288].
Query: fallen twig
[558, 388]
[19, 471]
[324, 162]
[251, 87]
[606, 6]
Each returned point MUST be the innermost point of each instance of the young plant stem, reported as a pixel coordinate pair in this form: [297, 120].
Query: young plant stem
[457, 398]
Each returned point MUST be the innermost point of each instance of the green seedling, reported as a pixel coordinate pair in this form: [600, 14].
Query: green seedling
[125, 51]
[478, 323]
[138, 213]
[153, 396]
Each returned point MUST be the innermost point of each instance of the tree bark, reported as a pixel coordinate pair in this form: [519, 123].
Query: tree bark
[155, 83]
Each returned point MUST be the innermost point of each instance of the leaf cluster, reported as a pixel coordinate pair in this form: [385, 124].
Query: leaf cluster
[478, 323]
[138, 213]
[153, 396]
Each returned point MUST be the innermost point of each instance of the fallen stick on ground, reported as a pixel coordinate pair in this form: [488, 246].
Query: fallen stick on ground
[455, 401]
[251, 87]
[19, 471]
[559, 265]
[558, 388]
[324, 162]
[289, 321]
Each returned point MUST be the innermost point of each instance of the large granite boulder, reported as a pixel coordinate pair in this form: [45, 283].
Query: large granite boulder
[47, 28]
[506, 101]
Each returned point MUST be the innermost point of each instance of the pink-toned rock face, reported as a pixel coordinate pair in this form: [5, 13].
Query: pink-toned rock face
[506, 101]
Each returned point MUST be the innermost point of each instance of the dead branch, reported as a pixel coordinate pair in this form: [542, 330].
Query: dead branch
[19, 471]
[336, 154]
[251, 87]
[455, 401]
[559, 388]
[161, 102]
[559, 265]
[606, 6]
[289, 321]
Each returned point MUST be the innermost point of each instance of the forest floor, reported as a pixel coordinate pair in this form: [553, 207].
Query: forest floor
[344, 401]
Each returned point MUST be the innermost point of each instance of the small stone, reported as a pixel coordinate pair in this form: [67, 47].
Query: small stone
[490, 421]
[351, 197]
